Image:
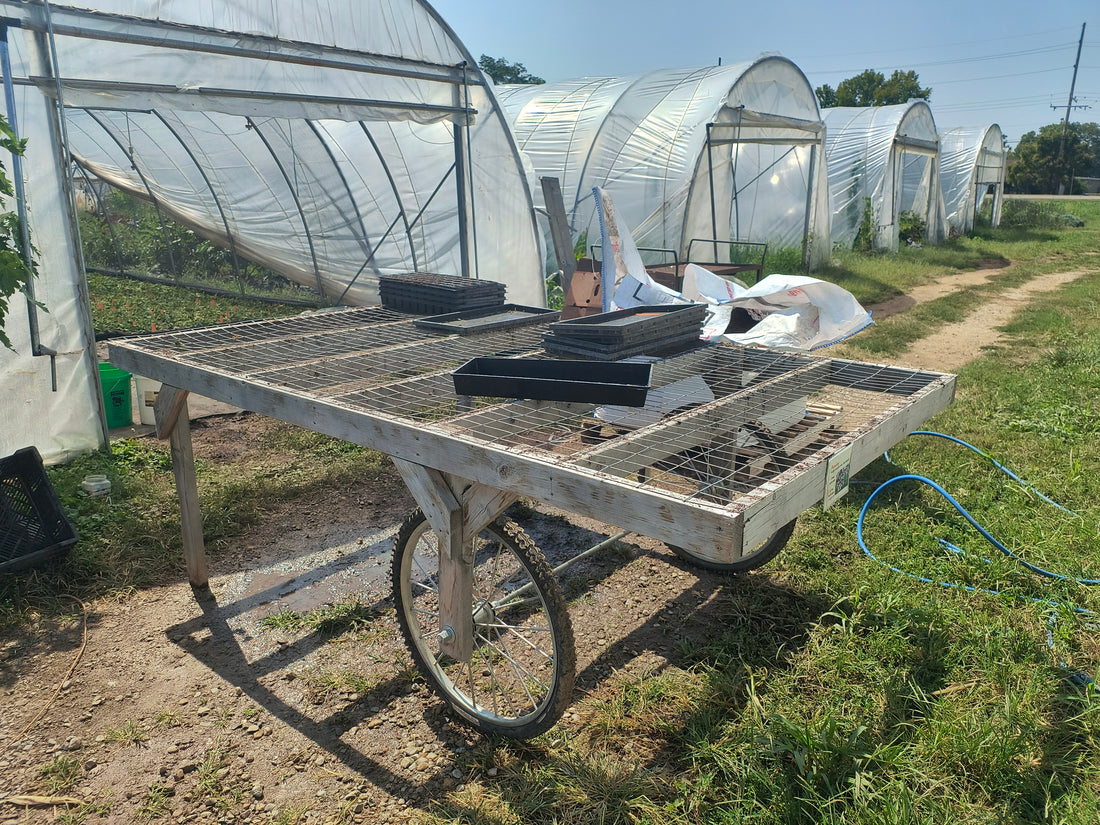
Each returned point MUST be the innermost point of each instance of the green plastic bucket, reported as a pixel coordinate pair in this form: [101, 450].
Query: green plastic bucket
[116, 396]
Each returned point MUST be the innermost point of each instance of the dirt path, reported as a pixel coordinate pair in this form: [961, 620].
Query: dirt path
[929, 292]
[954, 345]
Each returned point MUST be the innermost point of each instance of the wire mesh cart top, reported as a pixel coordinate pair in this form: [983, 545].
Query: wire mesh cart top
[732, 443]
[714, 450]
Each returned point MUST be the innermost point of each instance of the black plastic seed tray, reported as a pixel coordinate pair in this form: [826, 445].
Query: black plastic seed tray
[576, 347]
[485, 319]
[541, 379]
[634, 325]
[33, 527]
[429, 293]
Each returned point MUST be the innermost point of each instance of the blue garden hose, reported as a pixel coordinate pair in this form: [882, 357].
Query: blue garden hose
[1075, 676]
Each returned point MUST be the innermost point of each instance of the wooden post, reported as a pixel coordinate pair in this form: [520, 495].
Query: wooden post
[559, 230]
[170, 412]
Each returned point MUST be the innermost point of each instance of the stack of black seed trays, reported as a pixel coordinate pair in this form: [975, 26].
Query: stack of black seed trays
[623, 333]
[428, 293]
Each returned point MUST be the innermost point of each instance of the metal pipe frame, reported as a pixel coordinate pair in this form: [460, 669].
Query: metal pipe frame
[179, 36]
[297, 203]
[144, 182]
[213, 194]
[103, 208]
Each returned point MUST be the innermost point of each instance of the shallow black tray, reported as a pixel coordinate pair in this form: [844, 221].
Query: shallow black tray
[542, 379]
[420, 305]
[628, 326]
[471, 321]
[575, 347]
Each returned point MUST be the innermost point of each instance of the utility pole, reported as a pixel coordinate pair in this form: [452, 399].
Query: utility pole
[1069, 104]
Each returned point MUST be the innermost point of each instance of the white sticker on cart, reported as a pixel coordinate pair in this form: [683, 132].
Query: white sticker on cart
[838, 473]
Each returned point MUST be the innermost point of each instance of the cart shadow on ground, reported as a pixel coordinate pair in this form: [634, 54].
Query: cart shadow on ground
[635, 608]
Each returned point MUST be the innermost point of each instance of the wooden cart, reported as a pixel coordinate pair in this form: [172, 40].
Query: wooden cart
[732, 446]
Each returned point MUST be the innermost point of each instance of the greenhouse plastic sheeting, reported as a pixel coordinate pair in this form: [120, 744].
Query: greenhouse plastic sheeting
[325, 140]
[887, 156]
[644, 139]
[51, 402]
[316, 139]
[972, 166]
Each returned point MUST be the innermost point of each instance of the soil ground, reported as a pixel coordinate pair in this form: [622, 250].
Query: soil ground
[185, 707]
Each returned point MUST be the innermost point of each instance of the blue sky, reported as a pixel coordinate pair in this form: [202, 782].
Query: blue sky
[987, 62]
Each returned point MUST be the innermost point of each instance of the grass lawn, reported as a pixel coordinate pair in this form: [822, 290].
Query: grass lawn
[855, 693]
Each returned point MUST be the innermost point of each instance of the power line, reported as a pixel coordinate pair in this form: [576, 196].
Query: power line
[980, 58]
[943, 44]
[995, 76]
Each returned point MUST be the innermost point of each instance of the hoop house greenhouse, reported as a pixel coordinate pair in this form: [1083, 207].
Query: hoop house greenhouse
[972, 166]
[722, 152]
[333, 142]
[885, 158]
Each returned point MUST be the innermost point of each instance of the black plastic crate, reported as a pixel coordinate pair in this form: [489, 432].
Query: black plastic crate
[541, 379]
[33, 527]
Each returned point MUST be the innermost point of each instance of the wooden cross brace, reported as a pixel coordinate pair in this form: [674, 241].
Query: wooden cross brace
[457, 509]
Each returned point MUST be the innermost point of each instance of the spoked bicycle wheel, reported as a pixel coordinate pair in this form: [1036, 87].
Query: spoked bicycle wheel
[520, 677]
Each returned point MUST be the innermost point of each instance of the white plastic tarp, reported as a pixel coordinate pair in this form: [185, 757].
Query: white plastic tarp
[792, 312]
[972, 166]
[887, 157]
[656, 142]
[326, 140]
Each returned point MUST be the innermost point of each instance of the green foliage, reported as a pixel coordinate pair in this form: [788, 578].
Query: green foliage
[15, 269]
[784, 259]
[122, 305]
[1037, 214]
[1041, 161]
[912, 228]
[1090, 134]
[329, 620]
[871, 88]
[503, 71]
[865, 236]
[555, 294]
[156, 802]
[125, 234]
[580, 248]
[59, 775]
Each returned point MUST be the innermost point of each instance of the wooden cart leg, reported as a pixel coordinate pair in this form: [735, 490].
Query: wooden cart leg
[170, 412]
[457, 510]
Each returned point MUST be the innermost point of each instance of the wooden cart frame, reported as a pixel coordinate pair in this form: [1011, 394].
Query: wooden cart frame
[720, 474]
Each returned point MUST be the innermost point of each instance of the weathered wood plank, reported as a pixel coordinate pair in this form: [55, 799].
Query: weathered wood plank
[700, 526]
[703, 527]
[170, 402]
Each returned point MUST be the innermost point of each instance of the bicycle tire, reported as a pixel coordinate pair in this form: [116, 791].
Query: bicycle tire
[517, 683]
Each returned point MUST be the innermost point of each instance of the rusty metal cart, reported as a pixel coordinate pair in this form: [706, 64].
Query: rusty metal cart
[732, 445]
